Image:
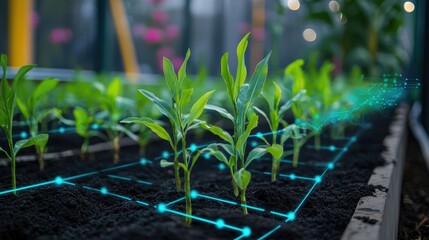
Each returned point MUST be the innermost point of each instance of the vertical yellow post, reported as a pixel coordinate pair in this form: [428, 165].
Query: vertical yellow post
[20, 39]
[258, 21]
[123, 33]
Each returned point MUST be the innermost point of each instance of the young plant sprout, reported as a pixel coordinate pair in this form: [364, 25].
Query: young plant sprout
[29, 105]
[242, 96]
[274, 119]
[85, 127]
[7, 108]
[180, 121]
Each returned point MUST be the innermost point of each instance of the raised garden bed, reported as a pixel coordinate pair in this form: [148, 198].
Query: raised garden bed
[100, 200]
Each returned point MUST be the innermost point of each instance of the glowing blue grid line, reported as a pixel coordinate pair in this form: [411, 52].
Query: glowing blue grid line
[27, 187]
[175, 201]
[119, 177]
[216, 199]
[270, 232]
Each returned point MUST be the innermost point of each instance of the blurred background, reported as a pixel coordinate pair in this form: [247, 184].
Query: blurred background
[132, 36]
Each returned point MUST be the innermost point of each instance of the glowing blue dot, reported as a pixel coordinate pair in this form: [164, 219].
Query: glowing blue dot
[246, 232]
[297, 121]
[332, 148]
[331, 165]
[354, 139]
[193, 147]
[23, 135]
[103, 190]
[95, 126]
[318, 179]
[143, 161]
[162, 208]
[290, 216]
[259, 135]
[254, 143]
[220, 223]
[59, 180]
[194, 194]
[345, 149]
[165, 154]
[207, 156]
[61, 130]
[221, 166]
[292, 176]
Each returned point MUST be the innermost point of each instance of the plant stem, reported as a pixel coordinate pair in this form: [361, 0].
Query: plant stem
[12, 156]
[84, 148]
[296, 149]
[116, 149]
[188, 197]
[274, 169]
[176, 171]
[243, 201]
[40, 151]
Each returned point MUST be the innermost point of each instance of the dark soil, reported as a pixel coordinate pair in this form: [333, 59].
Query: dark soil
[414, 218]
[73, 212]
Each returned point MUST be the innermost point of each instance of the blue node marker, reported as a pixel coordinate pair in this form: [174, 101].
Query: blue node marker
[220, 223]
[23, 135]
[162, 208]
[318, 179]
[103, 190]
[354, 139]
[165, 154]
[207, 156]
[254, 143]
[61, 130]
[259, 135]
[345, 149]
[221, 166]
[95, 126]
[331, 166]
[290, 216]
[194, 194]
[59, 180]
[246, 232]
[332, 148]
[193, 147]
[292, 176]
[143, 161]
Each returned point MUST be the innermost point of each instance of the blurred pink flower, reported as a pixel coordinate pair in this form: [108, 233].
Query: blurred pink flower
[172, 32]
[177, 62]
[258, 33]
[159, 16]
[153, 35]
[155, 1]
[139, 30]
[34, 20]
[60, 35]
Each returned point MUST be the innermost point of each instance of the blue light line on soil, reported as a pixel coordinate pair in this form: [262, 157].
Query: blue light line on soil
[27, 187]
[254, 208]
[142, 203]
[119, 196]
[175, 201]
[217, 199]
[90, 188]
[299, 163]
[144, 182]
[119, 167]
[292, 176]
[119, 177]
[270, 232]
[144, 161]
[244, 231]
[305, 198]
[69, 183]
[279, 214]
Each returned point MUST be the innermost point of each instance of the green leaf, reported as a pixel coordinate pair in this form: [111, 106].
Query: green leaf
[222, 111]
[23, 108]
[198, 107]
[5, 153]
[289, 103]
[241, 74]
[257, 80]
[182, 70]
[169, 75]
[242, 139]
[38, 140]
[44, 87]
[277, 95]
[114, 89]
[194, 159]
[218, 132]
[256, 153]
[243, 177]
[260, 111]
[276, 151]
[162, 106]
[20, 75]
[152, 125]
[227, 77]
[186, 97]
[164, 163]
[213, 150]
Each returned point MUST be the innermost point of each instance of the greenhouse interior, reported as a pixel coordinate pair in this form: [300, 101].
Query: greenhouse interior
[214, 119]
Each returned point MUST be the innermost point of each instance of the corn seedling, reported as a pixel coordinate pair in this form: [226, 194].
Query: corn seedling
[274, 118]
[242, 96]
[180, 121]
[35, 116]
[7, 108]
